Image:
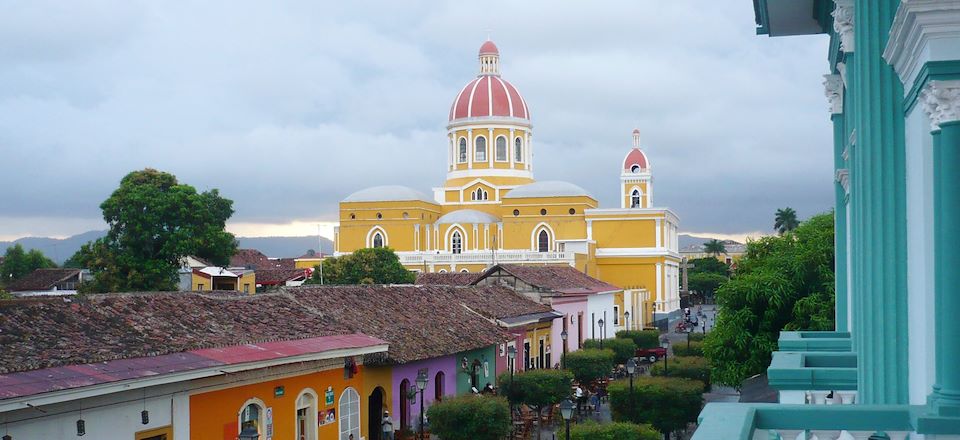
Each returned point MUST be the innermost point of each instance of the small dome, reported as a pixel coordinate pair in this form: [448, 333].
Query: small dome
[467, 216]
[637, 158]
[488, 48]
[387, 193]
[547, 188]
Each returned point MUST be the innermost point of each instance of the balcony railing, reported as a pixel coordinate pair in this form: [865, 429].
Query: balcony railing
[772, 421]
[814, 341]
[486, 257]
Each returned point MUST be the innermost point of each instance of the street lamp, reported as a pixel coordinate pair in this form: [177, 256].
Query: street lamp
[566, 411]
[631, 368]
[421, 385]
[665, 343]
[600, 323]
[563, 360]
[249, 432]
[511, 355]
[626, 317]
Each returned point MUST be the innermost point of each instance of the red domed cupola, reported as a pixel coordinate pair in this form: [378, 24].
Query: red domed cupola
[489, 95]
[636, 160]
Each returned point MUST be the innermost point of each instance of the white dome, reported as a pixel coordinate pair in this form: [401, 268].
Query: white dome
[547, 188]
[387, 193]
[467, 216]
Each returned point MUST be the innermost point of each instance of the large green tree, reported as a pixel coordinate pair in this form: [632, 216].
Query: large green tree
[154, 223]
[364, 266]
[668, 403]
[470, 417]
[709, 265]
[17, 262]
[781, 283]
[785, 220]
[715, 247]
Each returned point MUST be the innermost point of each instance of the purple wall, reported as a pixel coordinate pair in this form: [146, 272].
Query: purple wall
[567, 308]
[447, 364]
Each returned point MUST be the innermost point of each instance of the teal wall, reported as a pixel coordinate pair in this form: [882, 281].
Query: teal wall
[840, 226]
[485, 354]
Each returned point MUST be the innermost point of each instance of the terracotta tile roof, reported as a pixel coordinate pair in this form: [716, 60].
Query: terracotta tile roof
[43, 333]
[562, 279]
[420, 322]
[286, 263]
[448, 278]
[272, 277]
[250, 259]
[42, 279]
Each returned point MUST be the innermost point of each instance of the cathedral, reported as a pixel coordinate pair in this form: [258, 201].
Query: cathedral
[490, 209]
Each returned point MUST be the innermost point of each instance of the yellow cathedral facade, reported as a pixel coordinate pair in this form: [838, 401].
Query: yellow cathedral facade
[490, 209]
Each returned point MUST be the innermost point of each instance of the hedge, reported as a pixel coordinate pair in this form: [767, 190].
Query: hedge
[688, 367]
[667, 403]
[623, 348]
[470, 417]
[680, 349]
[588, 365]
[643, 339]
[590, 430]
[694, 336]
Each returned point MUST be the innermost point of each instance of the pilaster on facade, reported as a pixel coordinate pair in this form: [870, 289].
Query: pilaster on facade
[833, 89]
[922, 31]
[940, 100]
[843, 18]
[843, 178]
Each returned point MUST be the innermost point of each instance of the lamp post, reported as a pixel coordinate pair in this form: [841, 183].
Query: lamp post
[631, 368]
[626, 317]
[563, 337]
[665, 343]
[249, 432]
[566, 411]
[511, 355]
[421, 385]
[600, 323]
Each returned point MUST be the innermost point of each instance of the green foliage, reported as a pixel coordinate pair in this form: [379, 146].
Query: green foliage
[5, 295]
[623, 348]
[470, 417]
[364, 266]
[785, 220]
[536, 388]
[695, 348]
[694, 336]
[588, 365]
[590, 430]
[715, 247]
[689, 367]
[642, 338]
[705, 283]
[781, 283]
[154, 223]
[667, 403]
[17, 262]
[708, 265]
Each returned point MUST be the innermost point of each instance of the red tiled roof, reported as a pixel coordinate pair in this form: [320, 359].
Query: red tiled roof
[42, 279]
[273, 277]
[251, 259]
[562, 279]
[447, 278]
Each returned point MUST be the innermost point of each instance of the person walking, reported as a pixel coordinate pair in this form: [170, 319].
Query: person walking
[387, 425]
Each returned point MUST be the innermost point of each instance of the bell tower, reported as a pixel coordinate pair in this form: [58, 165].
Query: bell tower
[636, 182]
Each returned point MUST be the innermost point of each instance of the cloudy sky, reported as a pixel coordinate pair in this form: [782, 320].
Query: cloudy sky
[287, 107]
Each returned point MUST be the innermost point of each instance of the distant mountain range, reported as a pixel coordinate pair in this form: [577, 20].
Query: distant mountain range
[60, 249]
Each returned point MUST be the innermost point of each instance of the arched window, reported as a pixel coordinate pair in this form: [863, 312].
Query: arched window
[501, 149]
[442, 271]
[378, 240]
[307, 416]
[464, 270]
[462, 154]
[481, 146]
[635, 168]
[517, 150]
[456, 242]
[543, 241]
[635, 199]
[349, 414]
[438, 386]
[252, 415]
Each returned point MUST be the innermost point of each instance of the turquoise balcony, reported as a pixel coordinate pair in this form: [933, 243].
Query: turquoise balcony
[772, 421]
[815, 341]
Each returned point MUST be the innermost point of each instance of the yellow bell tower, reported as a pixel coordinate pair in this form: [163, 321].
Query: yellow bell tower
[636, 182]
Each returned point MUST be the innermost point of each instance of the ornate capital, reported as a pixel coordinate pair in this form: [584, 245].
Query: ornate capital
[843, 178]
[843, 23]
[833, 89]
[940, 100]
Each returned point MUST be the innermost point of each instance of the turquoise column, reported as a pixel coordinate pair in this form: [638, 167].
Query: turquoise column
[946, 229]
[840, 228]
[880, 204]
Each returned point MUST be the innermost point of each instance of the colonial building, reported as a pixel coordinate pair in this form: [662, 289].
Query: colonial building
[491, 210]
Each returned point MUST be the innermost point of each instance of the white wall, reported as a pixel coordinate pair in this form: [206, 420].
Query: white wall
[596, 306]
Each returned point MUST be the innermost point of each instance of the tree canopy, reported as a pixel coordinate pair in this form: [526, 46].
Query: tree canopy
[641, 338]
[785, 220]
[364, 266]
[154, 222]
[588, 364]
[17, 262]
[781, 283]
[709, 265]
[537, 389]
[715, 247]
[470, 417]
[667, 403]
[623, 348]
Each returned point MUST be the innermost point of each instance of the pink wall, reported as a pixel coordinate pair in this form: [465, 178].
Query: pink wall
[568, 306]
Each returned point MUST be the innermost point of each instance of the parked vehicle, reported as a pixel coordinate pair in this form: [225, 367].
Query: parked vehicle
[651, 354]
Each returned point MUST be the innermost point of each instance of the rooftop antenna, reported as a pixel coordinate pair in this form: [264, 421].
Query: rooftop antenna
[320, 248]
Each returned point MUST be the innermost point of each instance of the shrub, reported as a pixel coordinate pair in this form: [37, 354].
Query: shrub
[680, 349]
[694, 336]
[643, 339]
[623, 348]
[470, 417]
[689, 367]
[667, 403]
[590, 430]
[588, 365]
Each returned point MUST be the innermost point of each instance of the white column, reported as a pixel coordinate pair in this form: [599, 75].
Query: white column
[491, 149]
[659, 230]
[510, 147]
[471, 149]
[529, 152]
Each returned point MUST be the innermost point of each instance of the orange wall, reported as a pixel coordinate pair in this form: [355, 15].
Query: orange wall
[213, 415]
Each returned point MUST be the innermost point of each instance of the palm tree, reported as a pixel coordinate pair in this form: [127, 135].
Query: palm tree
[785, 220]
[715, 247]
